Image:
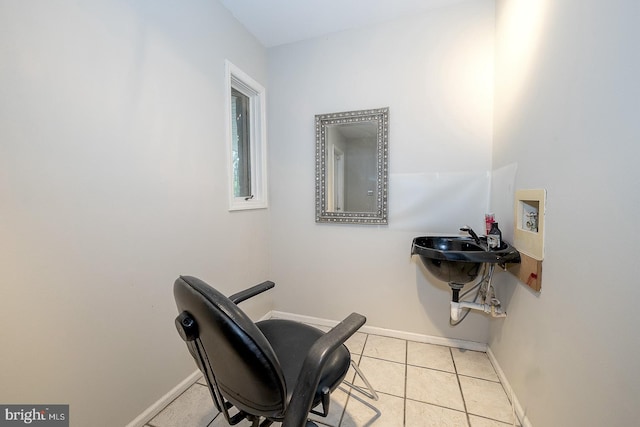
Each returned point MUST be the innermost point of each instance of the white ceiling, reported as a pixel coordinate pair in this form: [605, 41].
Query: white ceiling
[276, 22]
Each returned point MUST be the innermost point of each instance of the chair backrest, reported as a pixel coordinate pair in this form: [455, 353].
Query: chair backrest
[233, 350]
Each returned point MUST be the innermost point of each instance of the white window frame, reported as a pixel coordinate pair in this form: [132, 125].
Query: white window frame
[237, 79]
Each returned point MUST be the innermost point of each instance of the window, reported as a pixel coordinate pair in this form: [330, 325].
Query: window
[240, 143]
[246, 140]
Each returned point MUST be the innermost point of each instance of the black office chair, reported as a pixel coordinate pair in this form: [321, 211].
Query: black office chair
[273, 370]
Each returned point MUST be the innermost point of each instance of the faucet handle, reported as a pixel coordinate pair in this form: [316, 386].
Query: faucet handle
[472, 233]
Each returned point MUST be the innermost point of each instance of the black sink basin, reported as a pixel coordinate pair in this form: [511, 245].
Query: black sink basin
[456, 259]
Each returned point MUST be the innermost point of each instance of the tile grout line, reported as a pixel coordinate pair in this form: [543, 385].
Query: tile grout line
[219, 414]
[440, 406]
[390, 361]
[346, 402]
[464, 403]
[431, 369]
[406, 380]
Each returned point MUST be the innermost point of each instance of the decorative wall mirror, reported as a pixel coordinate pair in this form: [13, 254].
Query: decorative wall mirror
[352, 166]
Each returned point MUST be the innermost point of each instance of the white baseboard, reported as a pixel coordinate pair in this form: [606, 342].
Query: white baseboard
[267, 316]
[410, 336]
[161, 403]
[522, 417]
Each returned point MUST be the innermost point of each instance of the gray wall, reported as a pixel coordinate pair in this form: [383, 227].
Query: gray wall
[112, 183]
[435, 73]
[566, 115]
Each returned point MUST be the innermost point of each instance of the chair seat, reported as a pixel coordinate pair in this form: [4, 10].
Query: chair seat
[255, 368]
[291, 342]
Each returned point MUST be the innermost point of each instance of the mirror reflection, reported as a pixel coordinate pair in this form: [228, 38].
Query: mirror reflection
[351, 167]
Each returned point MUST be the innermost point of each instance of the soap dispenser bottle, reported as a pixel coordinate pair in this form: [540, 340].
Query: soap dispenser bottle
[494, 238]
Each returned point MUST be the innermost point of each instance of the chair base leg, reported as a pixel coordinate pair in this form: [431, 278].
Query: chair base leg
[369, 391]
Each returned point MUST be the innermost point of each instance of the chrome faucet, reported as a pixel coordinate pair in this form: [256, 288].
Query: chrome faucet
[472, 233]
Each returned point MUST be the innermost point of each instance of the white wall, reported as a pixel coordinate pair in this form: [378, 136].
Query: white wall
[112, 183]
[435, 72]
[566, 115]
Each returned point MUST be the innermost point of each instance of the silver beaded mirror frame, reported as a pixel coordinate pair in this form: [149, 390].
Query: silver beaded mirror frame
[352, 161]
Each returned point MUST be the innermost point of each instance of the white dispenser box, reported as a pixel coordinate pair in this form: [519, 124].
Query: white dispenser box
[529, 222]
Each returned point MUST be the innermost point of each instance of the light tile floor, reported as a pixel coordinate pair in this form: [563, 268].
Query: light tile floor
[419, 385]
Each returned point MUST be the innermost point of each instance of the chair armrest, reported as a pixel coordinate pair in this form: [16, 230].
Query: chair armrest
[309, 377]
[251, 292]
